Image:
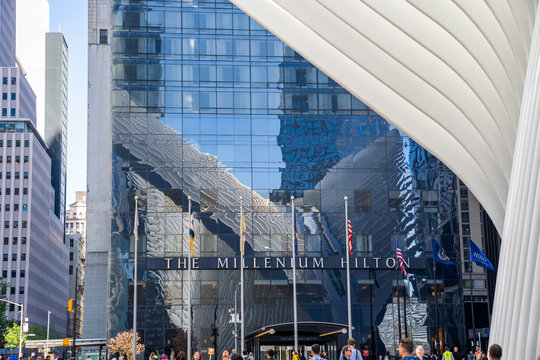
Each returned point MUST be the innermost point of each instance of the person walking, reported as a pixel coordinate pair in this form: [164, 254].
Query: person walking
[197, 356]
[447, 354]
[355, 353]
[495, 352]
[316, 352]
[420, 353]
[270, 354]
[295, 355]
[457, 354]
[346, 352]
[226, 355]
[406, 348]
[387, 356]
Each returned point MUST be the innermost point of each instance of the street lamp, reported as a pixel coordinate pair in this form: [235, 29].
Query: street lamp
[21, 324]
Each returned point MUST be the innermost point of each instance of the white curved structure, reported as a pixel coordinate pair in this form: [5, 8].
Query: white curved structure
[453, 75]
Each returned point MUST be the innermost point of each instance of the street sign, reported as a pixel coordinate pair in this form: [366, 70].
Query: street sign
[210, 351]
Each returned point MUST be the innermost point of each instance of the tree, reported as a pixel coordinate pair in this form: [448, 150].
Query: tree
[11, 337]
[179, 342]
[41, 332]
[123, 343]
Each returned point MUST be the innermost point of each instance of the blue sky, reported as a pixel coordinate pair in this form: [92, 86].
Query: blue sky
[72, 17]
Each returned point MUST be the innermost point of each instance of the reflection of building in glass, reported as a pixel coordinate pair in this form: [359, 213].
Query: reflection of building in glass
[207, 104]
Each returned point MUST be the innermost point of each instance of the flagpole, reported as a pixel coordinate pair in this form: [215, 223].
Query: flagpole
[436, 304]
[349, 313]
[398, 303]
[242, 249]
[135, 238]
[472, 305]
[406, 289]
[189, 282]
[295, 314]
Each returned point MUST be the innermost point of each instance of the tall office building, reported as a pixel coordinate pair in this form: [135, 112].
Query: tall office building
[74, 238]
[56, 115]
[207, 104]
[34, 258]
[7, 32]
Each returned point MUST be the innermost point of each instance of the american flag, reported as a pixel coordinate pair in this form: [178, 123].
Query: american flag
[399, 256]
[349, 236]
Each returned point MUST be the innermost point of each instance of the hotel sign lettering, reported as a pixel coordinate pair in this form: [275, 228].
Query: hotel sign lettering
[276, 263]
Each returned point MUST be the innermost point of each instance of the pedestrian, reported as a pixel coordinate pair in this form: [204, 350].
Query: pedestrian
[116, 356]
[380, 357]
[457, 354]
[355, 353]
[406, 349]
[172, 356]
[152, 356]
[420, 353]
[270, 354]
[197, 356]
[315, 352]
[294, 356]
[346, 353]
[181, 355]
[470, 355]
[324, 355]
[387, 356]
[447, 355]
[302, 357]
[495, 352]
[226, 355]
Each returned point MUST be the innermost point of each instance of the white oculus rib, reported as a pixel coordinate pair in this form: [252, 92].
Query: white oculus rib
[451, 75]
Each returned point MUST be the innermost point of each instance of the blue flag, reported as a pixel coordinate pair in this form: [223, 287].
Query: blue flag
[478, 257]
[439, 254]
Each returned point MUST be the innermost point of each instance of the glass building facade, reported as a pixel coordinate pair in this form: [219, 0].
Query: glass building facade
[209, 105]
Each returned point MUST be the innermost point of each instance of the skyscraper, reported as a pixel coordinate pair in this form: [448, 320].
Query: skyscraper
[207, 104]
[7, 33]
[56, 115]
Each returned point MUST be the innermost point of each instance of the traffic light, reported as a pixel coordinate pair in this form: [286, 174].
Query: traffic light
[71, 304]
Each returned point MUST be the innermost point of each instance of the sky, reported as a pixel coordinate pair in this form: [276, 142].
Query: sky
[70, 16]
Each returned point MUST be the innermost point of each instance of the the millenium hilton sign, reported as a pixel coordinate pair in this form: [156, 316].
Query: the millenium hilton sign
[276, 263]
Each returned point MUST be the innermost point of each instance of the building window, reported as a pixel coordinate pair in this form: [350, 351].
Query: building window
[24, 207]
[17, 191]
[71, 243]
[364, 244]
[5, 257]
[1, 143]
[4, 96]
[8, 190]
[22, 273]
[209, 200]
[24, 224]
[25, 190]
[4, 80]
[25, 175]
[12, 290]
[21, 290]
[71, 256]
[395, 199]
[13, 81]
[13, 257]
[17, 143]
[209, 292]
[430, 201]
[17, 175]
[6, 207]
[15, 240]
[6, 224]
[23, 240]
[70, 269]
[26, 143]
[11, 307]
[26, 159]
[15, 224]
[4, 111]
[362, 201]
[6, 241]
[13, 112]
[13, 273]
[9, 143]
[17, 159]
[103, 36]
[15, 206]
[8, 159]
[13, 96]
[8, 173]
[23, 257]
[4, 274]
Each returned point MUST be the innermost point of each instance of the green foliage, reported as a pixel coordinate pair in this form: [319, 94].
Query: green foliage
[11, 337]
[41, 332]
